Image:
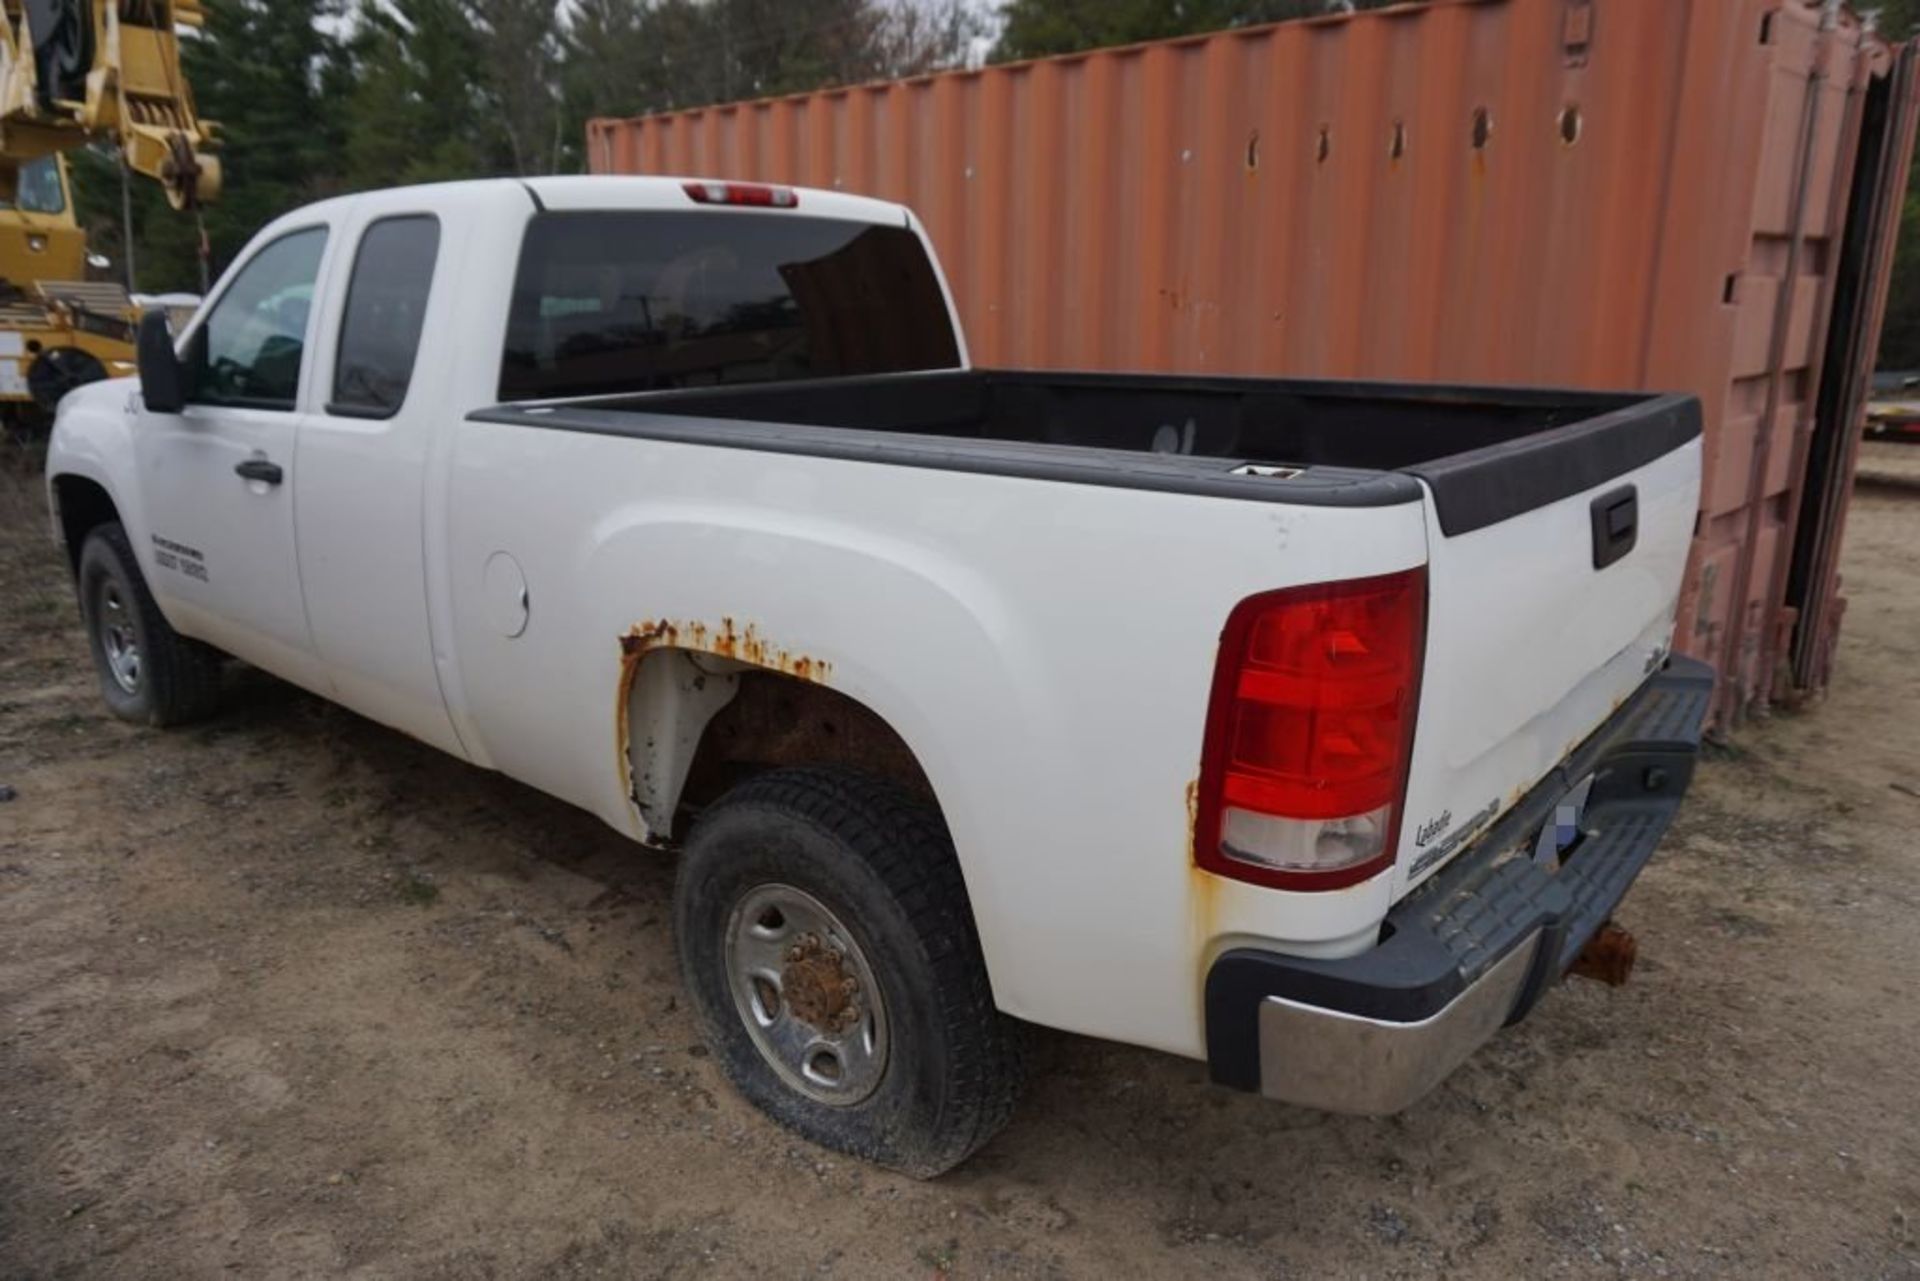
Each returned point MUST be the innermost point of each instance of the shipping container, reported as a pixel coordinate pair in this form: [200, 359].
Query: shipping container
[1695, 195]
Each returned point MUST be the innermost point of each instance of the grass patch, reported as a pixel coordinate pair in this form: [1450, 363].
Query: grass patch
[939, 1257]
[416, 889]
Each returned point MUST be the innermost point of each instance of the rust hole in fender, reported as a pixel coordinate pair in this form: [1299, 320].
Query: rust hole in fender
[728, 640]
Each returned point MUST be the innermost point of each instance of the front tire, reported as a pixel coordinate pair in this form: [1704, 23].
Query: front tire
[829, 951]
[149, 673]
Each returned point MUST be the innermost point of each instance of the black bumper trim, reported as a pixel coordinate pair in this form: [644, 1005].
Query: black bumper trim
[1492, 896]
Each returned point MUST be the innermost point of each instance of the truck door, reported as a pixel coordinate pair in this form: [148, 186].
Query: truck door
[364, 454]
[217, 477]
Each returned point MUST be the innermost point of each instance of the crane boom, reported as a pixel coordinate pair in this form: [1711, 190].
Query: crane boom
[74, 72]
[78, 73]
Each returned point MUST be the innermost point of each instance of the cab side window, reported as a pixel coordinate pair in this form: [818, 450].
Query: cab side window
[250, 349]
[386, 309]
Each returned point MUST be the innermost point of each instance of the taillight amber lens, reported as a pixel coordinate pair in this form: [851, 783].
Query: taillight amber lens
[1309, 732]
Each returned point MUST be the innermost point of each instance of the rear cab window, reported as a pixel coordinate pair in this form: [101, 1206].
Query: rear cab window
[386, 310]
[615, 302]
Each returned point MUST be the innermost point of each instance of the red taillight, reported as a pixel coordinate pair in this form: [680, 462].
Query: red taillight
[1304, 770]
[741, 193]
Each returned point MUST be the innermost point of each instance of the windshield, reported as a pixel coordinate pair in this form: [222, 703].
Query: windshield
[607, 303]
[38, 189]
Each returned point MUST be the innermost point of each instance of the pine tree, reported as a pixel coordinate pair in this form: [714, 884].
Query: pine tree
[316, 97]
[267, 71]
[605, 51]
[413, 100]
[519, 82]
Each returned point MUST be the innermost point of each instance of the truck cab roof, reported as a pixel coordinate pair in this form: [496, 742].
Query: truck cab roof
[593, 192]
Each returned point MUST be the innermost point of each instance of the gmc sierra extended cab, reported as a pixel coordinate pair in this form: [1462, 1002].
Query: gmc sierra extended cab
[1309, 729]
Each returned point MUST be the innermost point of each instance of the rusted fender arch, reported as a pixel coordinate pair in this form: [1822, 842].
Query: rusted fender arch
[697, 704]
[727, 640]
[918, 644]
[664, 707]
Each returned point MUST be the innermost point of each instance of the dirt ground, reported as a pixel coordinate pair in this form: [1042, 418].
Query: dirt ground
[289, 994]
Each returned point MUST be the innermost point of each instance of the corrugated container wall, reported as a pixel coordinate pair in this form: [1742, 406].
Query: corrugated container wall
[1595, 193]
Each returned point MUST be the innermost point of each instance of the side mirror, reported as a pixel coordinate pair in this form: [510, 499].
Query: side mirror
[163, 382]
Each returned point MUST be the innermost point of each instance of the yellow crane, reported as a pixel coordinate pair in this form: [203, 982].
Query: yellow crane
[75, 73]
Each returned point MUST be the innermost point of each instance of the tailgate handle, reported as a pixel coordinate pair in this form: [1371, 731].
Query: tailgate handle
[1616, 525]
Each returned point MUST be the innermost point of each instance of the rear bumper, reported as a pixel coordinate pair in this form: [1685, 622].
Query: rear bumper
[1473, 948]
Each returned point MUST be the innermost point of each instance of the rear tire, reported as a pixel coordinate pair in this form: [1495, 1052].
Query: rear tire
[829, 951]
[149, 673]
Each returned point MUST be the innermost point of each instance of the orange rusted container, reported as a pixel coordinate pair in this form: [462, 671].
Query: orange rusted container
[1658, 194]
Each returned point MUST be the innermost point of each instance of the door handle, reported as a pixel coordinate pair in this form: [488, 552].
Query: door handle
[261, 470]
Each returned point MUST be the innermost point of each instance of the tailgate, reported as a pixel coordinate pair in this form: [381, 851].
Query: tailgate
[1554, 568]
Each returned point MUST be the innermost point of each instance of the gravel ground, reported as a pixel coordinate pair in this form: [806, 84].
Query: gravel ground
[290, 994]
[1887, 465]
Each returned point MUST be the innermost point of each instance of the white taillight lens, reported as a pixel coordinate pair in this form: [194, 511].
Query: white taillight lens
[1304, 844]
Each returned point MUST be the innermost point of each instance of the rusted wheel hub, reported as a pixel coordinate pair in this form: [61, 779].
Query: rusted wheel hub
[819, 987]
[806, 995]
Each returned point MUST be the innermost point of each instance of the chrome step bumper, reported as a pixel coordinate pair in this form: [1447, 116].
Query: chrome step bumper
[1474, 947]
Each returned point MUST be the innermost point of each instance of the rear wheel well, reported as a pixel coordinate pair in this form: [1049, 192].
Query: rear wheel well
[778, 720]
[84, 505]
[699, 725]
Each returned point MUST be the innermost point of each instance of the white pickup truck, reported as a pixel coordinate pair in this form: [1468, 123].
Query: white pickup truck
[1310, 729]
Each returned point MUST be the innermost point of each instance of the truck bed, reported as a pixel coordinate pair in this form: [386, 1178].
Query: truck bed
[1487, 453]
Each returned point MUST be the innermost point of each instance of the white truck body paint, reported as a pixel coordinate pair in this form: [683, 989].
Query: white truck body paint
[1045, 649]
[1527, 650]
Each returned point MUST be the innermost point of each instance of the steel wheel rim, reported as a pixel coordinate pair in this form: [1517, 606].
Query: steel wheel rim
[118, 640]
[806, 995]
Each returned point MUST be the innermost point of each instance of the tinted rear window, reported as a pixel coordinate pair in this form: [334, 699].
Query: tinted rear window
[608, 303]
[386, 310]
